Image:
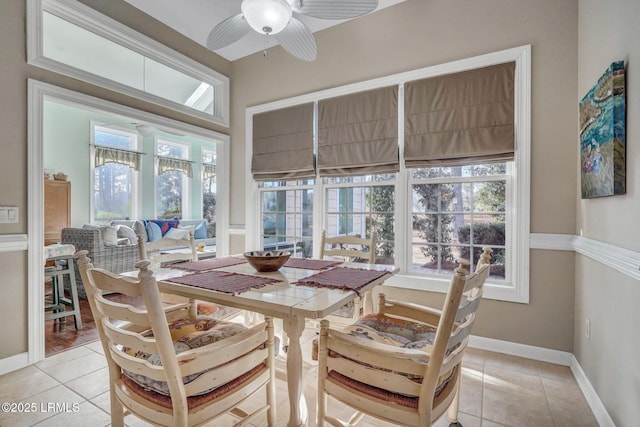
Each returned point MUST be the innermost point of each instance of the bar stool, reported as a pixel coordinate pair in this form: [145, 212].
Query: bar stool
[62, 265]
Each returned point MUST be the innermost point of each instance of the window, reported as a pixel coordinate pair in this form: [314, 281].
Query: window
[172, 184]
[358, 205]
[287, 216]
[425, 216]
[75, 40]
[209, 184]
[455, 212]
[115, 184]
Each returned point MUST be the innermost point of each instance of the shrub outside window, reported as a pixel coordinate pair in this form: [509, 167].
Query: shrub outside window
[456, 211]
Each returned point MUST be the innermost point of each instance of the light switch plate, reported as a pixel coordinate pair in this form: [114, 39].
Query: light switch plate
[8, 214]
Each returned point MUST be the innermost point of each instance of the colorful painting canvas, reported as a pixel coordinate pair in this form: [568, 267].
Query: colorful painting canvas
[602, 135]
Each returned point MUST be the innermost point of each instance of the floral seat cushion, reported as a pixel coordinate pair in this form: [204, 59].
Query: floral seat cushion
[186, 334]
[391, 331]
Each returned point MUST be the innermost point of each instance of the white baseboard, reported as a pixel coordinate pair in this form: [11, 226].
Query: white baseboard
[551, 356]
[13, 363]
[596, 405]
[522, 350]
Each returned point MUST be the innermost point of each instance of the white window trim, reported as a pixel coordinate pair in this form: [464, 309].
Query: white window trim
[520, 226]
[186, 182]
[88, 18]
[137, 175]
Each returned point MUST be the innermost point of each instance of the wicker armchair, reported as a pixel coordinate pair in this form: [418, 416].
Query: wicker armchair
[116, 259]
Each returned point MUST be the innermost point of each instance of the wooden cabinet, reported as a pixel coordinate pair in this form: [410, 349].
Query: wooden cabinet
[57, 209]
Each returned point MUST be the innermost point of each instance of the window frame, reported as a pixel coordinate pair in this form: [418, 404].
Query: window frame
[284, 188]
[85, 17]
[186, 182]
[137, 175]
[518, 198]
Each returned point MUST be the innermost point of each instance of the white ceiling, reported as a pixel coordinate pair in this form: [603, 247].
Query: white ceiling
[195, 18]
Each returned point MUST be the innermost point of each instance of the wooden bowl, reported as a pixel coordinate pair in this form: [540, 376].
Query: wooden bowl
[264, 261]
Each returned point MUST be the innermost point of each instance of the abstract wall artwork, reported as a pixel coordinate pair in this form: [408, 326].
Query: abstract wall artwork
[602, 135]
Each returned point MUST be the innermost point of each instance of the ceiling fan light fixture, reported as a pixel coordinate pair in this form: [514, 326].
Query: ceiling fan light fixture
[267, 16]
[144, 130]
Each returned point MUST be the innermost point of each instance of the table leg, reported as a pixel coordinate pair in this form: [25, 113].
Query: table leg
[293, 327]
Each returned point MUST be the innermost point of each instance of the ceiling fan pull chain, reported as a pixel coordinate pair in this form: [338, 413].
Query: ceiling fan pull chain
[266, 45]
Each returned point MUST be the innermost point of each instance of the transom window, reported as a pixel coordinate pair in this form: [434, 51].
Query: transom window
[75, 40]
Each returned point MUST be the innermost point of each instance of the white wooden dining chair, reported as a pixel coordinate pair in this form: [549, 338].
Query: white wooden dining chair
[402, 364]
[169, 369]
[352, 249]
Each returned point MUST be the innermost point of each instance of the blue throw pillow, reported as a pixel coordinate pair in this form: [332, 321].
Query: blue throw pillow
[153, 231]
[165, 224]
[200, 232]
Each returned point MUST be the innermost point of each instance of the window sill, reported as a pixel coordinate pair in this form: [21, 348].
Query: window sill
[493, 291]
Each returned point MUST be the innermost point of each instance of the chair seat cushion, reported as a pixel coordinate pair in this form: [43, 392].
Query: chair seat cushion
[186, 334]
[392, 331]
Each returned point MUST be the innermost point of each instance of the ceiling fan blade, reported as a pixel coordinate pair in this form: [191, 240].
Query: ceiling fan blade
[334, 9]
[227, 32]
[298, 40]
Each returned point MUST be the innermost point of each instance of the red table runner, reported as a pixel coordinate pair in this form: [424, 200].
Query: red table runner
[222, 281]
[348, 278]
[208, 264]
[310, 264]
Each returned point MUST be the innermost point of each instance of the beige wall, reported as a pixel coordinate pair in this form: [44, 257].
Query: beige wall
[416, 34]
[407, 36]
[13, 122]
[608, 32]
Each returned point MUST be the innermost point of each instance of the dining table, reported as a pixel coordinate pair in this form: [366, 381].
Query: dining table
[301, 289]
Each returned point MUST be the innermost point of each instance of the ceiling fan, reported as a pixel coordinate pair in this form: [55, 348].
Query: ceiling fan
[276, 17]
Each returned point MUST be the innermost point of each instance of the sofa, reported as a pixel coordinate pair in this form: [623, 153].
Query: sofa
[114, 247]
[203, 232]
[116, 258]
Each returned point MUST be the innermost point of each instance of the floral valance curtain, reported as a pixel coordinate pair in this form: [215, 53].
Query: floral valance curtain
[460, 118]
[104, 155]
[166, 164]
[208, 171]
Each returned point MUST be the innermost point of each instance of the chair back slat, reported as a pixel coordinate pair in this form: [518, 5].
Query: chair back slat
[459, 335]
[350, 247]
[343, 344]
[122, 312]
[103, 281]
[466, 308]
[223, 374]
[225, 351]
[395, 381]
[117, 335]
[136, 365]
[152, 251]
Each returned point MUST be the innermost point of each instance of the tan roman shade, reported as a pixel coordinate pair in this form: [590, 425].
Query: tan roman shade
[283, 144]
[460, 118]
[358, 133]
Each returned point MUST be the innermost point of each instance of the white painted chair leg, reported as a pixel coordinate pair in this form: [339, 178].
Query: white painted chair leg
[455, 405]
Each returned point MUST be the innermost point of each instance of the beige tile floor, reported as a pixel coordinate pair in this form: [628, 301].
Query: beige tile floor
[497, 390]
